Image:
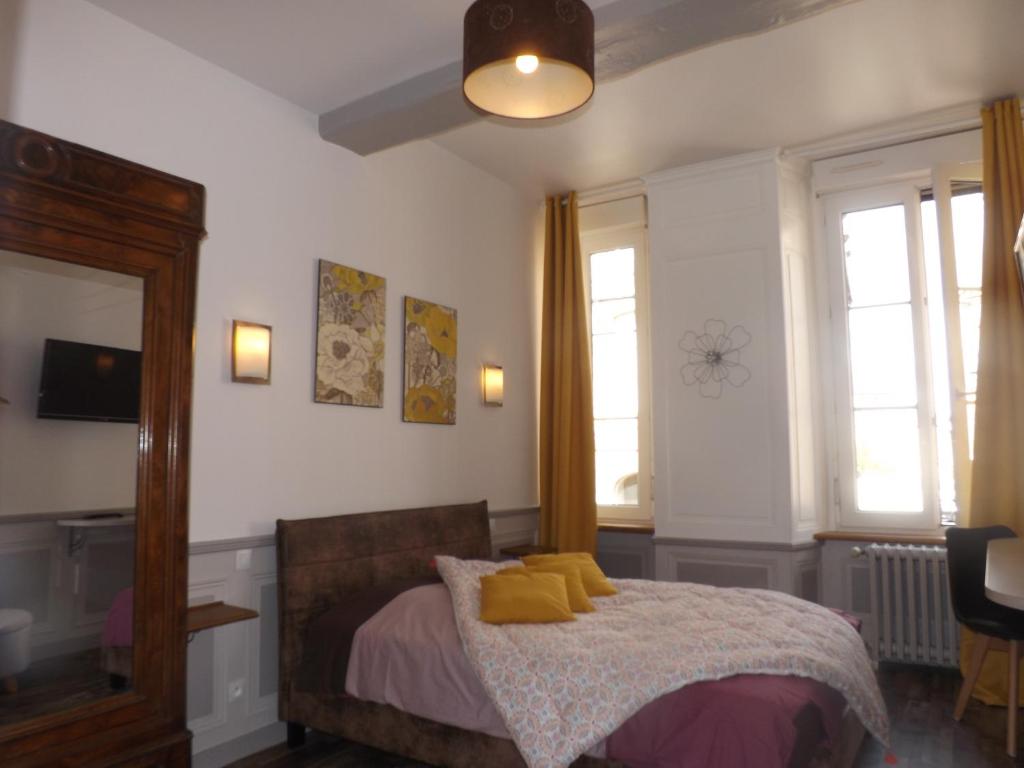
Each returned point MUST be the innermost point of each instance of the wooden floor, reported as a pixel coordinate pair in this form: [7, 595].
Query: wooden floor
[56, 684]
[920, 702]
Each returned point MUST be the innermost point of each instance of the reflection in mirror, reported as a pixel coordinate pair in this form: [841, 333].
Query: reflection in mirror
[70, 341]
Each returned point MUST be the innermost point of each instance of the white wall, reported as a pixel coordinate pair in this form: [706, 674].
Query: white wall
[278, 199]
[52, 465]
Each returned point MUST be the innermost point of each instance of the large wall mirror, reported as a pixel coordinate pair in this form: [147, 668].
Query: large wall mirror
[97, 285]
[70, 378]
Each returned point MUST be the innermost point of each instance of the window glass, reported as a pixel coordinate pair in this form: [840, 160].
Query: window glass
[882, 356]
[888, 461]
[875, 246]
[612, 275]
[615, 376]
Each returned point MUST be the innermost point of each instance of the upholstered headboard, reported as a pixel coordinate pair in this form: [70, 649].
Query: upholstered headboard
[320, 559]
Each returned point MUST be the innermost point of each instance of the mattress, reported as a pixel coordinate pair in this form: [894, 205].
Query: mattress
[400, 646]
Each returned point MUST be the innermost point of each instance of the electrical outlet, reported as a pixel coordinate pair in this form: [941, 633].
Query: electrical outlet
[236, 688]
[243, 559]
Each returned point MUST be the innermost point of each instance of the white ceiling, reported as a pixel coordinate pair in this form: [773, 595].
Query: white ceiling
[860, 65]
[319, 54]
[851, 68]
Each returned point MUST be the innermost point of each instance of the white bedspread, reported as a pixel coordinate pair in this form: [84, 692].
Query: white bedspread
[562, 688]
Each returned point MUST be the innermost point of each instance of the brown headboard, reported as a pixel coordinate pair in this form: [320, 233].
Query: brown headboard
[321, 558]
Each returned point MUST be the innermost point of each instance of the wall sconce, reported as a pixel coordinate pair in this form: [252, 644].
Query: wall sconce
[493, 384]
[250, 353]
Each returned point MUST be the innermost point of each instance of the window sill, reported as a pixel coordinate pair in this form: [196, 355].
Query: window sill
[626, 526]
[879, 537]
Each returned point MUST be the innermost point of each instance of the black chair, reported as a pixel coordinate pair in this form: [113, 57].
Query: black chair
[996, 627]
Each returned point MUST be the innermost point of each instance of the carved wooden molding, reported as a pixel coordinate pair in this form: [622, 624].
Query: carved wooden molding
[108, 183]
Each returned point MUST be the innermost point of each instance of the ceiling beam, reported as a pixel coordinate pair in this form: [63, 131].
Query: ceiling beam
[630, 35]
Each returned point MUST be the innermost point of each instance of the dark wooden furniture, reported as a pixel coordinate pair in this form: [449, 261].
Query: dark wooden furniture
[62, 201]
[996, 627]
[210, 615]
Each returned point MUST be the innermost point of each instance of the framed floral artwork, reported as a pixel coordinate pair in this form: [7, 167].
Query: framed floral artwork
[431, 341]
[349, 337]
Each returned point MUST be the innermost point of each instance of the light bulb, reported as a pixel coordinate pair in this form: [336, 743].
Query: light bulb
[527, 63]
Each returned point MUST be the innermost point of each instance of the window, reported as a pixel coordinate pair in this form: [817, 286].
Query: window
[615, 267]
[905, 307]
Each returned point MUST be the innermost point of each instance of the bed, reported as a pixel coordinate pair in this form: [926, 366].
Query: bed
[328, 565]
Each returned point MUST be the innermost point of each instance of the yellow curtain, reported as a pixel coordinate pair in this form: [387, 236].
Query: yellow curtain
[568, 511]
[997, 482]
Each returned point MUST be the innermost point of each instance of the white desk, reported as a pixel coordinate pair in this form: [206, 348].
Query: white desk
[1004, 573]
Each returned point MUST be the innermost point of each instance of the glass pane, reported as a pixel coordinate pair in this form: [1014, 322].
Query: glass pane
[970, 334]
[613, 316]
[939, 359]
[612, 274]
[968, 238]
[616, 474]
[615, 376]
[888, 461]
[616, 434]
[70, 344]
[882, 357]
[947, 476]
[875, 243]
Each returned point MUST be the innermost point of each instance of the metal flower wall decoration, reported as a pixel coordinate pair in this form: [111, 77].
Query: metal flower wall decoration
[713, 357]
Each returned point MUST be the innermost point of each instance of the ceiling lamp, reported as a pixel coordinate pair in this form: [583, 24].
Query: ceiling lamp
[528, 58]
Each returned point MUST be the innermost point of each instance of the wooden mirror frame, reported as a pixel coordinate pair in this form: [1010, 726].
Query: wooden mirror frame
[62, 201]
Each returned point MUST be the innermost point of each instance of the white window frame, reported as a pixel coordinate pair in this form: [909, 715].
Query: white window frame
[610, 239]
[907, 194]
[943, 177]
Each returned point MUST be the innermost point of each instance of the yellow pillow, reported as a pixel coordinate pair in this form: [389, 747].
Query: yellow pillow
[528, 598]
[578, 600]
[594, 580]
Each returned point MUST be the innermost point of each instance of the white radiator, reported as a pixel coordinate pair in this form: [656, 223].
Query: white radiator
[913, 617]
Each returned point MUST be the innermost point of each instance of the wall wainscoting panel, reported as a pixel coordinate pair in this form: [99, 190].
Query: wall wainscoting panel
[625, 555]
[794, 569]
[224, 729]
[846, 581]
[512, 527]
[264, 639]
[207, 679]
[68, 593]
[28, 576]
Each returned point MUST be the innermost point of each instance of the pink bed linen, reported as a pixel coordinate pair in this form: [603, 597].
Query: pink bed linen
[410, 655]
[117, 630]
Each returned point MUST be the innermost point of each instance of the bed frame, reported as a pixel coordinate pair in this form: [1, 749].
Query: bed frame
[321, 558]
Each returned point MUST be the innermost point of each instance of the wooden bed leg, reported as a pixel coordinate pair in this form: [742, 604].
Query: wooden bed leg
[296, 735]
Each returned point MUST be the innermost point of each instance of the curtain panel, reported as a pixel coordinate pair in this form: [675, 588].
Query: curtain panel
[997, 482]
[568, 509]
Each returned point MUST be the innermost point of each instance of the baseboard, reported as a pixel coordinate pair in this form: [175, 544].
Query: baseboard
[249, 744]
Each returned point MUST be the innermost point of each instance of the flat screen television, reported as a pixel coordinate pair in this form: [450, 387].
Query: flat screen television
[86, 382]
